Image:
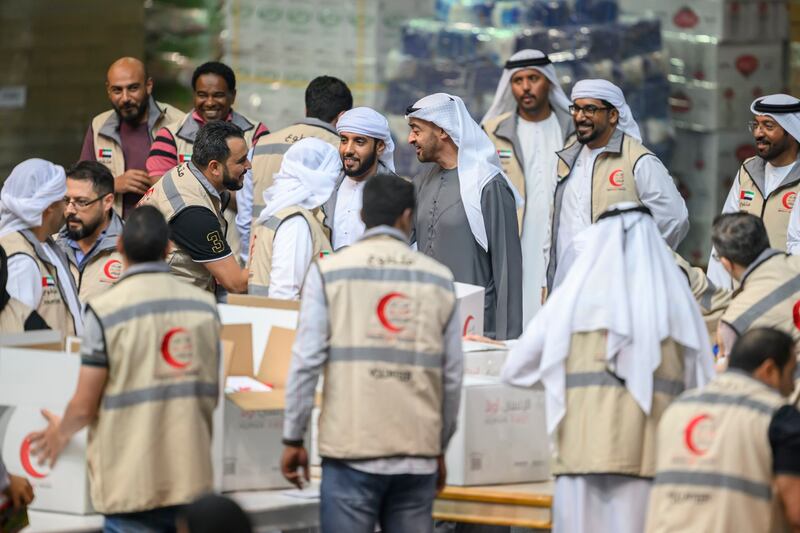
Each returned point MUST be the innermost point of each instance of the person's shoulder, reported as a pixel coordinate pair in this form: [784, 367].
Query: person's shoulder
[170, 113]
[490, 125]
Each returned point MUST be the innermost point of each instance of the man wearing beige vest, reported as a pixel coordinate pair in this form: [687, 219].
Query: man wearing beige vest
[379, 319]
[15, 316]
[729, 454]
[31, 210]
[288, 235]
[611, 361]
[89, 238]
[192, 197]
[528, 122]
[120, 138]
[767, 183]
[147, 388]
[326, 99]
[769, 279]
[606, 164]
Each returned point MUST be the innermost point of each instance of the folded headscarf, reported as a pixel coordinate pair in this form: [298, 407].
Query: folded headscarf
[367, 121]
[32, 187]
[605, 90]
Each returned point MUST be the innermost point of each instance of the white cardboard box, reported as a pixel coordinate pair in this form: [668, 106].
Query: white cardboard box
[482, 359]
[469, 299]
[501, 435]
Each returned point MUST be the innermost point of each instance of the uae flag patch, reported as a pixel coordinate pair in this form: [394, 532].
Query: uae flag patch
[504, 154]
[104, 153]
[183, 158]
[324, 253]
[747, 196]
[48, 281]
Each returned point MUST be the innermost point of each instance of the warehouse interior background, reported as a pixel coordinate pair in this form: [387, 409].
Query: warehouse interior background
[689, 68]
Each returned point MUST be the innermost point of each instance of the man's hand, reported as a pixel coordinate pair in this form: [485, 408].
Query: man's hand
[19, 491]
[294, 458]
[441, 479]
[132, 180]
[46, 445]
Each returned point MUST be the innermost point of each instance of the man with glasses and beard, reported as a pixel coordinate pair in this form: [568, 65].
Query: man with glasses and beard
[89, 237]
[607, 164]
[192, 197]
[366, 148]
[120, 138]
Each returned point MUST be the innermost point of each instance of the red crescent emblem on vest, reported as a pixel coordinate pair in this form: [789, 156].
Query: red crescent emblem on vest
[617, 178]
[689, 438]
[788, 199]
[467, 322]
[25, 459]
[180, 347]
[381, 311]
[112, 269]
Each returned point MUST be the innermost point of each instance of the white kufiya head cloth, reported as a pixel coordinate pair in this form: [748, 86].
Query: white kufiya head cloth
[605, 90]
[784, 109]
[523, 60]
[367, 121]
[31, 187]
[307, 176]
[478, 162]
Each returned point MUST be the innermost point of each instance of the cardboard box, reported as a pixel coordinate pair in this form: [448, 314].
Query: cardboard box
[31, 380]
[482, 359]
[469, 299]
[501, 435]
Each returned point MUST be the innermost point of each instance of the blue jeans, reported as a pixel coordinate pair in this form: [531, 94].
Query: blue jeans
[354, 501]
[161, 520]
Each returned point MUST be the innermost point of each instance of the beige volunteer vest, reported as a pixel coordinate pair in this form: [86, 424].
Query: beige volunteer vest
[53, 307]
[150, 445]
[260, 258]
[612, 182]
[769, 296]
[775, 209]
[388, 308]
[108, 144]
[13, 316]
[715, 461]
[604, 431]
[713, 300]
[268, 154]
[178, 189]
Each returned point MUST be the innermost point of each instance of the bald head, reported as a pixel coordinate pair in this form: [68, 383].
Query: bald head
[129, 89]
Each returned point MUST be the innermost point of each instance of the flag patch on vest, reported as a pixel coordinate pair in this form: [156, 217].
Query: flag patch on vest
[323, 253]
[183, 158]
[504, 154]
[747, 195]
[104, 153]
[48, 281]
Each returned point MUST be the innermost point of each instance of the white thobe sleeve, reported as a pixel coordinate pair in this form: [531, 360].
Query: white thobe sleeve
[291, 255]
[716, 272]
[657, 191]
[244, 213]
[793, 232]
[24, 281]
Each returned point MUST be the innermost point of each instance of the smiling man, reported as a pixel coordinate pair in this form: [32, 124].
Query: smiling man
[366, 148]
[89, 238]
[606, 164]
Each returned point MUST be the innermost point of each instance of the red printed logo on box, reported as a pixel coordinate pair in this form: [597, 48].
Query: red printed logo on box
[26, 461]
[685, 18]
[746, 65]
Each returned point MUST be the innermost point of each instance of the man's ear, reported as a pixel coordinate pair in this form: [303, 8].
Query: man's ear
[613, 117]
[443, 135]
[727, 264]
[380, 147]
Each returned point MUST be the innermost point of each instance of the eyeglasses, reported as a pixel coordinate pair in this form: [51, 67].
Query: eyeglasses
[80, 204]
[588, 110]
[769, 127]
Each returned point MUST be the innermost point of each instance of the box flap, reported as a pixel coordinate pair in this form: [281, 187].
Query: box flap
[250, 300]
[227, 357]
[240, 358]
[259, 401]
[274, 368]
[46, 339]
[465, 289]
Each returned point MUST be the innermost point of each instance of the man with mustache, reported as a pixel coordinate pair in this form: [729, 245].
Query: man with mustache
[89, 238]
[120, 138]
[192, 197]
[606, 164]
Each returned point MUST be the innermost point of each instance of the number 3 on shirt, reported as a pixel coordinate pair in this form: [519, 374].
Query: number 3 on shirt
[217, 244]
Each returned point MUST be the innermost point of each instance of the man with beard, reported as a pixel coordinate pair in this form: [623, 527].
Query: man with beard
[89, 238]
[366, 149]
[120, 138]
[192, 197]
[607, 164]
[767, 183]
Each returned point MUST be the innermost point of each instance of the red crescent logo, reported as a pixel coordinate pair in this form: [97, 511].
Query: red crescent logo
[113, 269]
[685, 18]
[381, 311]
[688, 434]
[617, 178]
[796, 314]
[747, 64]
[788, 199]
[467, 322]
[165, 349]
[25, 459]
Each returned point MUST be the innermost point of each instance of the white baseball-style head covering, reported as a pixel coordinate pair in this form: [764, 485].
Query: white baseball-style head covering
[31, 187]
[523, 60]
[783, 108]
[625, 257]
[307, 176]
[605, 90]
[478, 162]
[367, 121]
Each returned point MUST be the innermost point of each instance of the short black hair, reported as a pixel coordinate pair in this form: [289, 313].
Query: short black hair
[386, 196]
[215, 67]
[211, 142]
[145, 235]
[212, 513]
[101, 178]
[757, 345]
[326, 97]
[739, 237]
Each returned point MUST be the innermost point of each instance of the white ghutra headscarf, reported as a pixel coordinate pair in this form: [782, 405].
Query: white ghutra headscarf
[782, 108]
[31, 187]
[367, 121]
[478, 162]
[605, 90]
